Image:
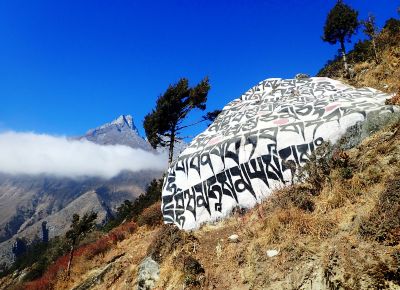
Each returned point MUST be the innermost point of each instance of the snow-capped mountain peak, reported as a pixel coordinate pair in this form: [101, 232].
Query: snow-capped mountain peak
[121, 131]
[120, 122]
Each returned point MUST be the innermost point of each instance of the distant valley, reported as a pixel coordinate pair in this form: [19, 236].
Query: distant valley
[27, 201]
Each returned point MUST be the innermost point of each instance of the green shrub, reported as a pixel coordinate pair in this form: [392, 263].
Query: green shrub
[362, 51]
[193, 271]
[129, 210]
[392, 26]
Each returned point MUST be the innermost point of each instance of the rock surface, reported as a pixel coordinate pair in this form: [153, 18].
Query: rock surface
[98, 275]
[272, 253]
[234, 238]
[243, 155]
[149, 273]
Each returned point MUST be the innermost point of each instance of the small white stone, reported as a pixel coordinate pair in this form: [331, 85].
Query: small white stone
[233, 238]
[272, 253]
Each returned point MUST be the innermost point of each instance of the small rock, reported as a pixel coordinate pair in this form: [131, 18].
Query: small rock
[234, 238]
[301, 76]
[148, 275]
[272, 253]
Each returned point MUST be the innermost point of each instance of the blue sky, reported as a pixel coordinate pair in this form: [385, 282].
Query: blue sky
[70, 65]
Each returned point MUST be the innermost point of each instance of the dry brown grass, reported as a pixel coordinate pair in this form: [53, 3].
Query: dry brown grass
[395, 100]
[151, 216]
[384, 75]
[318, 236]
[308, 229]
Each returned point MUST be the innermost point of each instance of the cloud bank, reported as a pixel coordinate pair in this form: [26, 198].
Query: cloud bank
[34, 154]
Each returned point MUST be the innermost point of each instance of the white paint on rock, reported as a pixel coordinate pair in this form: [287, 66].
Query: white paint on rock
[241, 157]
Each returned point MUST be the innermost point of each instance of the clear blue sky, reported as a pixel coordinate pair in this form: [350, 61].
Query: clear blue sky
[70, 65]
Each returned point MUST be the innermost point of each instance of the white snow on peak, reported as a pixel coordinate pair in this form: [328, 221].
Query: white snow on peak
[124, 119]
[121, 121]
[120, 131]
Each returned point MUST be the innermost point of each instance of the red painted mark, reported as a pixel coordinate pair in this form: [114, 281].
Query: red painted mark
[331, 107]
[281, 121]
[214, 140]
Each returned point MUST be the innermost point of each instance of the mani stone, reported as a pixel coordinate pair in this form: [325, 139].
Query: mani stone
[257, 142]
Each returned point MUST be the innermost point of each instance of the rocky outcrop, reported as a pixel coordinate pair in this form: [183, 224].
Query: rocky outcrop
[149, 273]
[257, 142]
[98, 276]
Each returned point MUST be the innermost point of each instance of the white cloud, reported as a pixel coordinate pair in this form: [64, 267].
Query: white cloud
[33, 154]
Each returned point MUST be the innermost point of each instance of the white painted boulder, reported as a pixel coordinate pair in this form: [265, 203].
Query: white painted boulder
[241, 157]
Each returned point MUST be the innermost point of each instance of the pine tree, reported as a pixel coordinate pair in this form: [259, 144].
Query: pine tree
[341, 24]
[211, 116]
[164, 123]
[371, 31]
[78, 229]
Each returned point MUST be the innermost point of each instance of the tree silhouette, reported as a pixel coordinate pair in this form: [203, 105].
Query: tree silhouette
[164, 123]
[341, 23]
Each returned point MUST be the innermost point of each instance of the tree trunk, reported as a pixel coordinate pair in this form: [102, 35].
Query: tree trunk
[375, 51]
[71, 254]
[171, 147]
[343, 49]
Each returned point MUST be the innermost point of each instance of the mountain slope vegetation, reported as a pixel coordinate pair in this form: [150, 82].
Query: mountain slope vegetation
[383, 72]
[338, 229]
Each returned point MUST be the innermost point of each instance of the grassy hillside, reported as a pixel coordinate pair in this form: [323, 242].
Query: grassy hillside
[338, 229]
[383, 73]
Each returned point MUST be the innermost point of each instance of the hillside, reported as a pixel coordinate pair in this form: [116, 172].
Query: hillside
[337, 230]
[382, 73]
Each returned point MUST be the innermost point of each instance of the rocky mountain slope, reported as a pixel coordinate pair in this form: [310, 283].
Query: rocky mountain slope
[27, 201]
[121, 131]
[382, 73]
[338, 229]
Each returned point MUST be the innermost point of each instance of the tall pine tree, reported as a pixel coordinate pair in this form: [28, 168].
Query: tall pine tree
[164, 124]
[341, 24]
